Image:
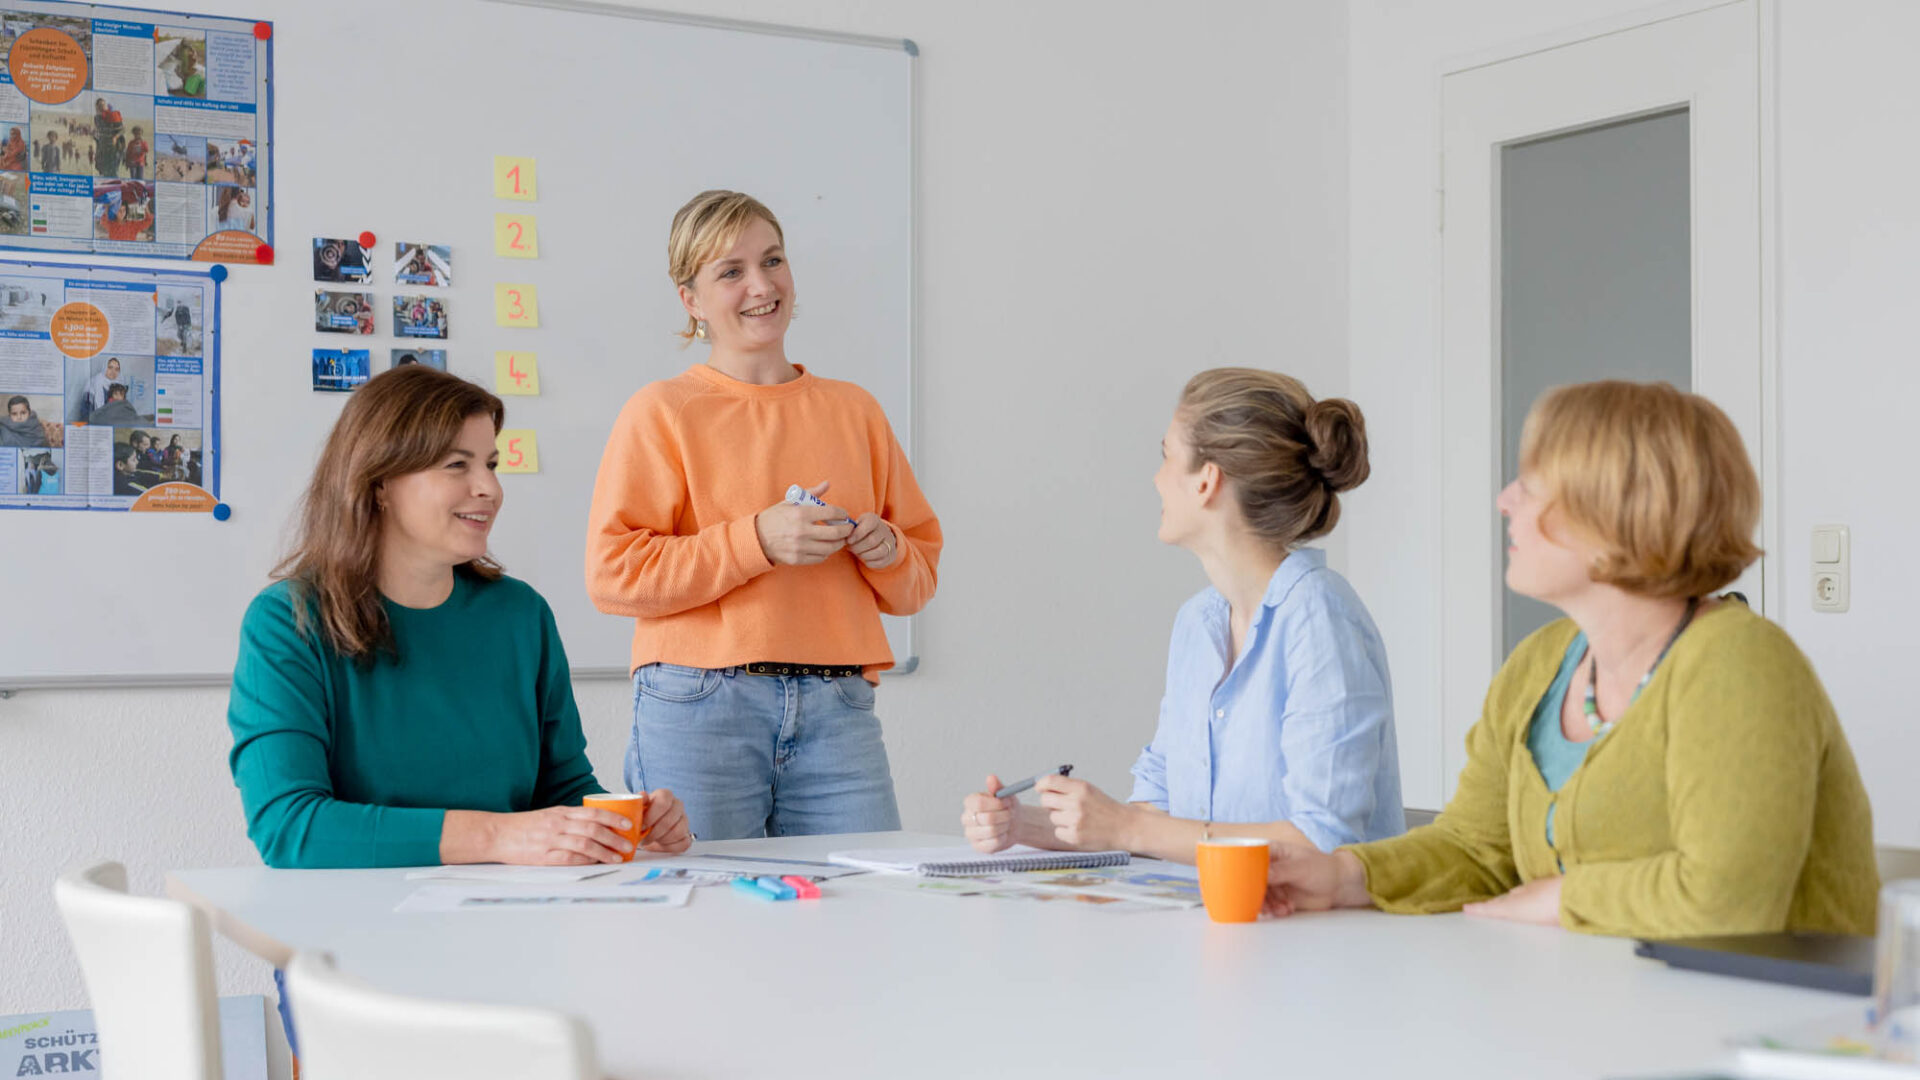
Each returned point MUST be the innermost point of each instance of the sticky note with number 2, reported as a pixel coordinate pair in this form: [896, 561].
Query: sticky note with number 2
[519, 451]
[516, 305]
[516, 236]
[516, 373]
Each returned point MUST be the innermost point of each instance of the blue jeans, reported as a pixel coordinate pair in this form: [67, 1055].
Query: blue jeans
[761, 755]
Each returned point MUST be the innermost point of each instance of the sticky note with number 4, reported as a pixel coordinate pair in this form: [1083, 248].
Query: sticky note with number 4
[516, 236]
[516, 305]
[516, 373]
[513, 178]
[519, 451]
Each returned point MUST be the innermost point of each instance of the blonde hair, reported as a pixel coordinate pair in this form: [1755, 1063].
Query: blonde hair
[1288, 455]
[1655, 476]
[705, 229]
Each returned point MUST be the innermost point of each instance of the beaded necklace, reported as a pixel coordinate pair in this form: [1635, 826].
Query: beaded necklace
[1600, 725]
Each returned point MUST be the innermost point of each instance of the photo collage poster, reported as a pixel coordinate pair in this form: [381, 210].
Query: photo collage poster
[133, 132]
[108, 380]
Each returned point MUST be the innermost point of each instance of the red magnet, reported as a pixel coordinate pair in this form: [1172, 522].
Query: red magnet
[366, 239]
[263, 254]
[263, 30]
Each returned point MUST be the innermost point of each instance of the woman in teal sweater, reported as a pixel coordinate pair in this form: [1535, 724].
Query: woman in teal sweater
[397, 700]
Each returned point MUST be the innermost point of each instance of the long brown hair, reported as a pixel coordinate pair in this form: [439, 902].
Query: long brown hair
[1288, 455]
[399, 422]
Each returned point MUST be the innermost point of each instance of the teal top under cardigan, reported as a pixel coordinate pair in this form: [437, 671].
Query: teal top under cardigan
[344, 764]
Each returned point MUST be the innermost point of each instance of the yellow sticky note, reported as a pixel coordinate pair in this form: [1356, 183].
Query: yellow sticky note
[516, 236]
[516, 373]
[513, 178]
[516, 305]
[519, 450]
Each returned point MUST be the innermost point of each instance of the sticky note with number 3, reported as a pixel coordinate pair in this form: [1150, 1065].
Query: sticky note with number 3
[516, 373]
[516, 236]
[516, 305]
[519, 451]
[513, 178]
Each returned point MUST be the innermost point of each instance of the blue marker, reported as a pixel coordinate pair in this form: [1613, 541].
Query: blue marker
[799, 496]
[753, 888]
[780, 889]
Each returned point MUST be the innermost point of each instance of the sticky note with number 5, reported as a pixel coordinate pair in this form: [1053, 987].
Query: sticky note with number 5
[516, 373]
[516, 236]
[519, 450]
[513, 178]
[516, 305]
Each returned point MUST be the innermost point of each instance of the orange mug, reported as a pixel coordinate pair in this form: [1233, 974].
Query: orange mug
[1233, 877]
[631, 807]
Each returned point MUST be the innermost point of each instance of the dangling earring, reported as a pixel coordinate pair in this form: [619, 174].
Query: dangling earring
[700, 329]
[793, 310]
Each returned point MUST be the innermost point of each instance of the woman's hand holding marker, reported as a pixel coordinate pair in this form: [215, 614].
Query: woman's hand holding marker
[796, 535]
[873, 542]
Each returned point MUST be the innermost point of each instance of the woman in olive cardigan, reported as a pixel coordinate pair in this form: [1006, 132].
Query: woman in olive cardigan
[1660, 763]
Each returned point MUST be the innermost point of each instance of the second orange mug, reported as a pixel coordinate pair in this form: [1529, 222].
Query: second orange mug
[631, 807]
[1233, 877]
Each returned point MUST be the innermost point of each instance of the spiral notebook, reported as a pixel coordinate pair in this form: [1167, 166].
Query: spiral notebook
[966, 862]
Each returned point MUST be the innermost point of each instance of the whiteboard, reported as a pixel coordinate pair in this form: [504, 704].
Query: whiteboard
[388, 117]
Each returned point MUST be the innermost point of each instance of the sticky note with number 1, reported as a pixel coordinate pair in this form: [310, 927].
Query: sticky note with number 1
[516, 373]
[516, 305]
[516, 236]
[513, 178]
[519, 451]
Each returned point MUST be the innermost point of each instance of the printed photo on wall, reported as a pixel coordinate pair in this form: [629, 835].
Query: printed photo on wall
[26, 305]
[40, 473]
[419, 317]
[142, 459]
[179, 330]
[31, 422]
[180, 159]
[13, 191]
[433, 358]
[341, 369]
[422, 264]
[123, 210]
[110, 390]
[341, 260]
[342, 312]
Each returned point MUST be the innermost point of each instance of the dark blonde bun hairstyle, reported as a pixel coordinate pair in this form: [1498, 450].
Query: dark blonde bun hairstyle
[1288, 455]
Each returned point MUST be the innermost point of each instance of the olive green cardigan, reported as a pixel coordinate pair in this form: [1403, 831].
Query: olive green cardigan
[1724, 801]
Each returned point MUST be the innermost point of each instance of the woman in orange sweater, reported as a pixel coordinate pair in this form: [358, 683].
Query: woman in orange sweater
[757, 638]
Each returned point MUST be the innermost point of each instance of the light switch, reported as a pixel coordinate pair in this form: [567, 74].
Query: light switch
[1831, 568]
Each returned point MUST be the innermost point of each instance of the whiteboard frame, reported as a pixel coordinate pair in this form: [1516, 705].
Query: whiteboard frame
[905, 666]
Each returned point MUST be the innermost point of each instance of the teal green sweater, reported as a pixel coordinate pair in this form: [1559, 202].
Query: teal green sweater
[341, 764]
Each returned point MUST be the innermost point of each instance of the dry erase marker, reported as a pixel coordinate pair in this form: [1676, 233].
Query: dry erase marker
[799, 496]
[780, 889]
[1015, 789]
[807, 889]
[754, 889]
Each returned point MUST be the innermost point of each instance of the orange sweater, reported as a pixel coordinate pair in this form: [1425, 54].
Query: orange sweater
[671, 539]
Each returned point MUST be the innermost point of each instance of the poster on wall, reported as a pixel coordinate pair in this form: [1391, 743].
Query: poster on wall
[109, 379]
[133, 132]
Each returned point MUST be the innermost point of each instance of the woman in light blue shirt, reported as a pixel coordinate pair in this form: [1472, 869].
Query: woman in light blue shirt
[1277, 720]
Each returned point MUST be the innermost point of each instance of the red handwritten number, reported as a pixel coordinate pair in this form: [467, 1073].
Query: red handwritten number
[514, 456]
[515, 173]
[516, 311]
[519, 377]
[515, 245]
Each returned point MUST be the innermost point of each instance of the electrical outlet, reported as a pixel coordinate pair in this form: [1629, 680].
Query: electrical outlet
[1832, 562]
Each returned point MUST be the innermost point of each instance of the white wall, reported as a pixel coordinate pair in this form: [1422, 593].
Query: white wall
[1848, 228]
[1113, 195]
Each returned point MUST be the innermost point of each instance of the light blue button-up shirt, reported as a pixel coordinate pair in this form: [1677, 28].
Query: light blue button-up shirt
[1301, 728]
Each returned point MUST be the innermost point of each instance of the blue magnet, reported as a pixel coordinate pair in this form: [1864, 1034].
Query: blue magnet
[219, 272]
[221, 511]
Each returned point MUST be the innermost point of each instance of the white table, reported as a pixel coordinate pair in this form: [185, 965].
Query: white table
[871, 983]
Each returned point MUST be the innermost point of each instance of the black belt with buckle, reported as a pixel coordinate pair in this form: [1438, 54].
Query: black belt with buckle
[825, 671]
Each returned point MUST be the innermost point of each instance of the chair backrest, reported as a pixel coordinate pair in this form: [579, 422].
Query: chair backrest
[148, 966]
[350, 1031]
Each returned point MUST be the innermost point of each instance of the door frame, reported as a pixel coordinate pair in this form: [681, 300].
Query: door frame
[1466, 661]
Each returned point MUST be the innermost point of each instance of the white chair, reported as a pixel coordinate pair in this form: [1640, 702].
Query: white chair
[350, 1031]
[148, 967]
